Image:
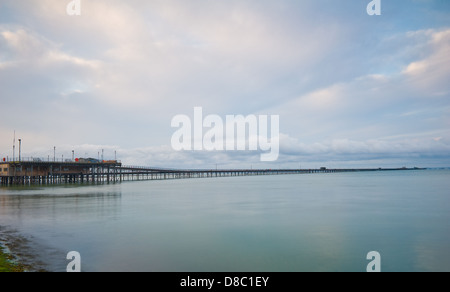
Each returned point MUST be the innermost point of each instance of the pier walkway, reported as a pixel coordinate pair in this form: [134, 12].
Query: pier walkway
[48, 173]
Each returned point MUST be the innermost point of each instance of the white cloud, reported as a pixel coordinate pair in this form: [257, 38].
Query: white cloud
[29, 52]
[430, 75]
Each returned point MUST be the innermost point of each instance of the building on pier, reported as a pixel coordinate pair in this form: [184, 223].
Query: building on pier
[46, 172]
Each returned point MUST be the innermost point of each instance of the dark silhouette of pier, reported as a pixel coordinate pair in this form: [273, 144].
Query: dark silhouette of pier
[38, 172]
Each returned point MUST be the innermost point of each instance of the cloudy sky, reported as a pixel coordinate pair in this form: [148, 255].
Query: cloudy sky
[350, 89]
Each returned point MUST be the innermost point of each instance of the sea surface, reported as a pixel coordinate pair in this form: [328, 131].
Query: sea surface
[287, 223]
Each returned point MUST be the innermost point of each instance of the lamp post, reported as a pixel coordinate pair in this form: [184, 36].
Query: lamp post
[20, 149]
[14, 146]
[54, 154]
[73, 155]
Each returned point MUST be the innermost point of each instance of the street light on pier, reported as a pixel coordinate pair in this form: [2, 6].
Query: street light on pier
[20, 149]
[14, 146]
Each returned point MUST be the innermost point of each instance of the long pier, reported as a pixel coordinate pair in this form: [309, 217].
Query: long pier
[50, 173]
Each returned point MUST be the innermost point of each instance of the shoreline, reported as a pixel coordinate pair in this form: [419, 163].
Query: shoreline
[16, 254]
[7, 265]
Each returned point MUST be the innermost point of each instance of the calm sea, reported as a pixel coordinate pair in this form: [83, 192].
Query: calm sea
[309, 222]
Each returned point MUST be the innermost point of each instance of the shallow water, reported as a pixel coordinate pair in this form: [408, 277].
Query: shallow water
[309, 222]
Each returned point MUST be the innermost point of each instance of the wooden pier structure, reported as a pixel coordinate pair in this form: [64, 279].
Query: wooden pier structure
[38, 172]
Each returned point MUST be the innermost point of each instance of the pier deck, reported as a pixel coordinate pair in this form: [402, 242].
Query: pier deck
[47, 172]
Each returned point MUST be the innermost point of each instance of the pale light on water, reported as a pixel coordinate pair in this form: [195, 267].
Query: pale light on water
[313, 222]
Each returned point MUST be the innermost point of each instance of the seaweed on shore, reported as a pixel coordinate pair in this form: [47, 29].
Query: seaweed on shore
[15, 255]
[7, 262]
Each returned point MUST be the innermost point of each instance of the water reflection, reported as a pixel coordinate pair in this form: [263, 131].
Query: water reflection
[40, 224]
[59, 203]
